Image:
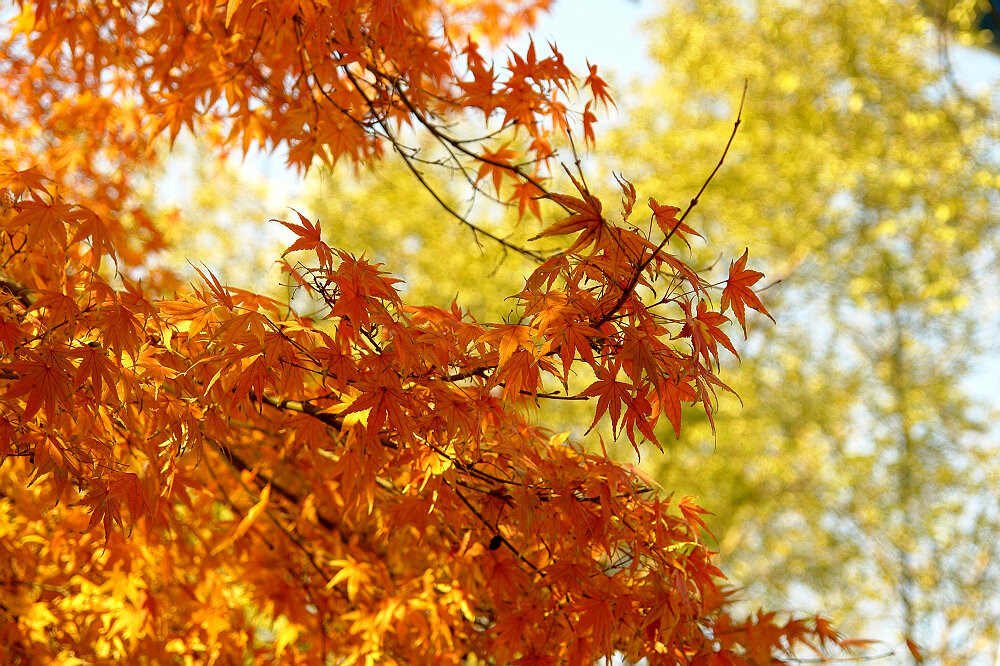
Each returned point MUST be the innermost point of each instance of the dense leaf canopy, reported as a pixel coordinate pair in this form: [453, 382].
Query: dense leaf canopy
[201, 475]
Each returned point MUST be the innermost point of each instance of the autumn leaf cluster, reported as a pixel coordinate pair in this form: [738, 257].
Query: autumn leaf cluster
[199, 473]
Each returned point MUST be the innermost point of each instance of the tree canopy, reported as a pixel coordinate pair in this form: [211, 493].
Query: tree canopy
[198, 474]
[856, 472]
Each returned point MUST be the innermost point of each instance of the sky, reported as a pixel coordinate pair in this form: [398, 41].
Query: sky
[606, 32]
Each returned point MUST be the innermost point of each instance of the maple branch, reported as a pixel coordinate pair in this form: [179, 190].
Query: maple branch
[543, 494]
[239, 464]
[556, 396]
[482, 372]
[467, 374]
[540, 572]
[407, 160]
[18, 291]
[460, 168]
[292, 538]
[468, 468]
[333, 421]
[476, 229]
[451, 144]
[305, 407]
[437, 133]
[634, 280]
[295, 499]
[495, 530]
[305, 57]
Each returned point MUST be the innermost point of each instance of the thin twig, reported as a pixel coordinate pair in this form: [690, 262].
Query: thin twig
[630, 287]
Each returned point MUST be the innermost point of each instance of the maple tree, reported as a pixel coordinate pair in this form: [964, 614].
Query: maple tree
[200, 475]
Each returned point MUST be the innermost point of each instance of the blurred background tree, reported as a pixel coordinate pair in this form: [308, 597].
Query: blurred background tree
[861, 471]
[374, 211]
[209, 212]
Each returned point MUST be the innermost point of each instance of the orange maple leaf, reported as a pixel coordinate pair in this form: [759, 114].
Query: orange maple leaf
[738, 293]
[20, 181]
[704, 332]
[612, 394]
[914, 648]
[497, 164]
[598, 87]
[128, 487]
[309, 239]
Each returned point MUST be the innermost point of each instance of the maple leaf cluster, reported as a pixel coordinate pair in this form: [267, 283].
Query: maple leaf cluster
[201, 475]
